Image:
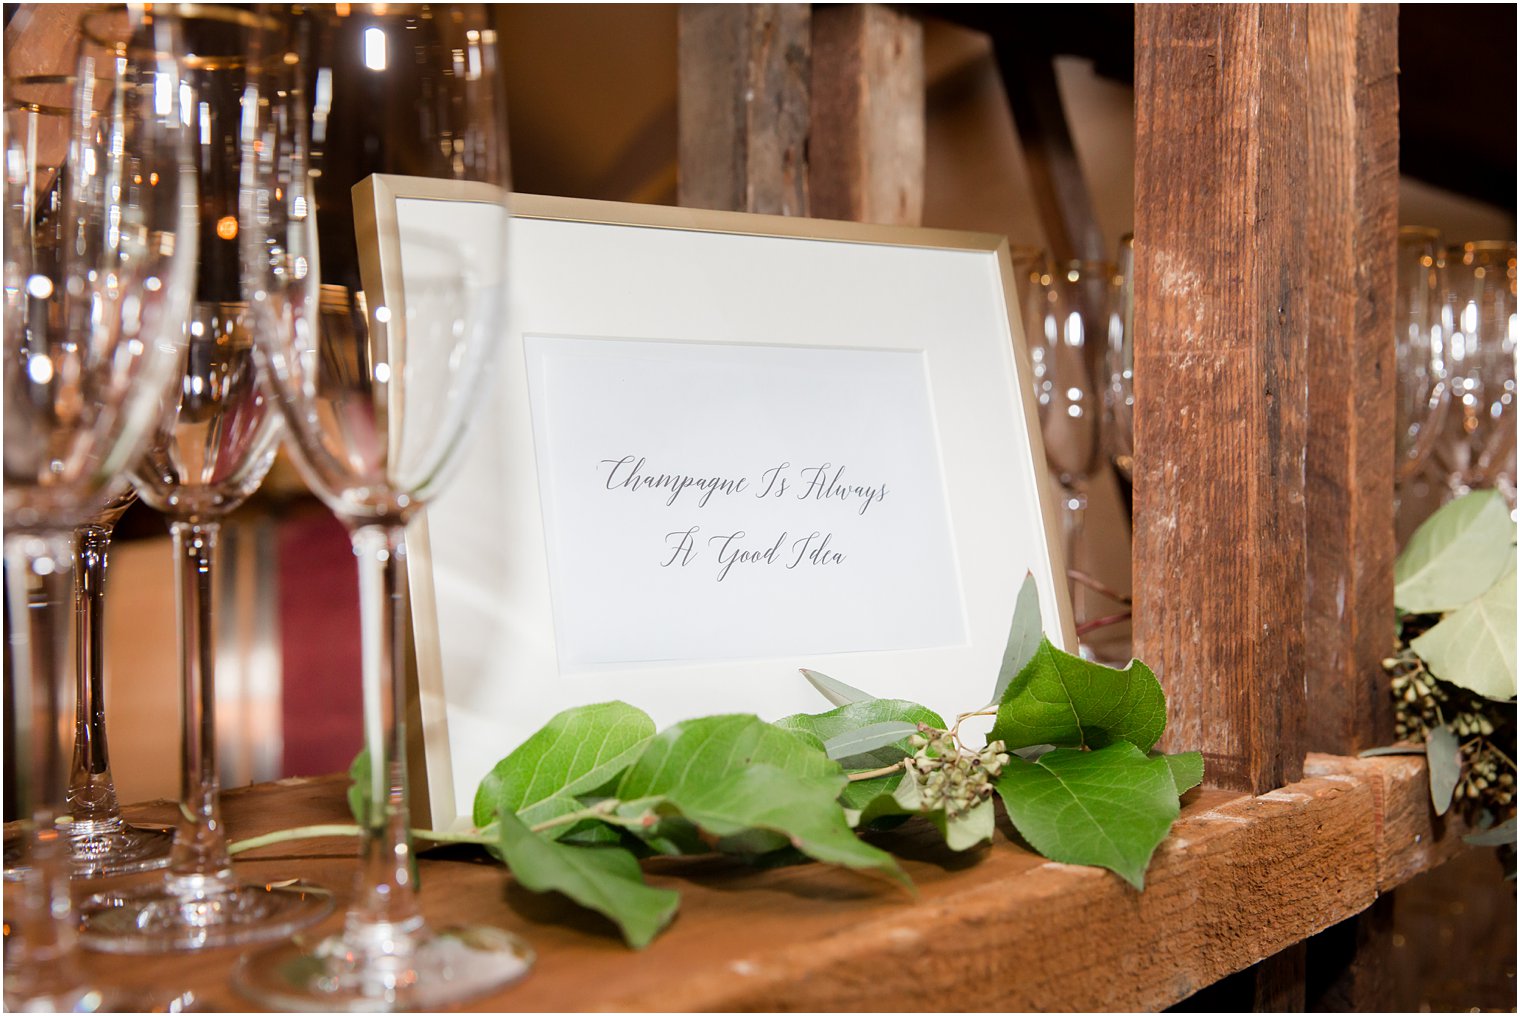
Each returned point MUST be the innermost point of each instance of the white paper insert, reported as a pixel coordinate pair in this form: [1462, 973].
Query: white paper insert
[708, 501]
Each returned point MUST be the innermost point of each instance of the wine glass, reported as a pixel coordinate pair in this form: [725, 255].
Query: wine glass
[1075, 306]
[95, 302]
[1419, 349]
[1480, 318]
[216, 438]
[377, 389]
[100, 842]
[1119, 392]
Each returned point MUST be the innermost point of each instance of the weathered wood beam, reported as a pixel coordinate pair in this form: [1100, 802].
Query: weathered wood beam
[1238, 880]
[1352, 194]
[743, 106]
[867, 146]
[1221, 415]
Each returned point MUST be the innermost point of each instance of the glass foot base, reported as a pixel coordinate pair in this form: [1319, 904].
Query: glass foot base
[347, 973]
[100, 850]
[157, 919]
[101, 1000]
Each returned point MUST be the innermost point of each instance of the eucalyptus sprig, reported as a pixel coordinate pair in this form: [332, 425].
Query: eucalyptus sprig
[1070, 754]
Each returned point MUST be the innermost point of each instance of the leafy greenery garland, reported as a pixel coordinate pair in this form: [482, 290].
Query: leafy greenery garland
[1452, 674]
[1070, 754]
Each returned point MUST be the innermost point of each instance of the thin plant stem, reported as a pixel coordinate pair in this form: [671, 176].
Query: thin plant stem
[872, 774]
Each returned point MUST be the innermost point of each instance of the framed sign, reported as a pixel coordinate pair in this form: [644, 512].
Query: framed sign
[724, 447]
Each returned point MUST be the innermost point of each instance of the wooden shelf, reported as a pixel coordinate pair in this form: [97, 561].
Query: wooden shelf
[1239, 879]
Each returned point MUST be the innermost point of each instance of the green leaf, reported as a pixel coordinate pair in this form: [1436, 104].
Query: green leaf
[705, 751]
[804, 809]
[1455, 554]
[847, 719]
[1444, 753]
[605, 879]
[1475, 646]
[1067, 701]
[836, 692]
[868, 738]
[961, 831]
[1186, 767]
[1111, 807]
[1500, 835]
[1023, 637]
[576, 752]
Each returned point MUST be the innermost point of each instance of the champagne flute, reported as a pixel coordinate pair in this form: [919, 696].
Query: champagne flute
[1481, 319]
[1119, 394]
[216, 439]
[100, 842]
[95, 306]
[1419, 350]
[377, 390]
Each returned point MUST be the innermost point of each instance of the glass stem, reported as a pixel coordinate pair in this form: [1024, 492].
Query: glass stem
[385, 898]
[40, 958]
[92, 794]
[199, 862]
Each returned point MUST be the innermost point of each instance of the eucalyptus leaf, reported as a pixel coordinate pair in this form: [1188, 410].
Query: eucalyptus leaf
[1444, 753]
[1186, 767]
[358, 787]
[836, 692]
[1067, 701]
[707, 750]
[803, 809]
[836, 723]
[1023, 637]
[576, 752]
[868, 738]
[1392, 749]
[962, 831]
[1500, 835]
[1455, 555]
[1474, 646]
[1111, 807]
[605, 879]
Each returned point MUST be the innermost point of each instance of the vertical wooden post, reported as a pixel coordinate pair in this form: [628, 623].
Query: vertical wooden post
[1352, 194]
[867, 148]
[743, 99]
[1221, 389]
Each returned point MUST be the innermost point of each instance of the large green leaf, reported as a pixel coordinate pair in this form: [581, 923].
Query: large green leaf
[1475, 645]
[1023, 638]
[707, 750]
[856, 716]
[1067, 701]
[1111, 807]
[576, 752]
[1455, 555]
[1186, 767]
[605, 879]
[804, 809]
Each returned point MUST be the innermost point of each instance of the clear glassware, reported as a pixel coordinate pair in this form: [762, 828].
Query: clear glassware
[1075, 308]
[1479, 316]
[96, 290]
[1119, 362]
[100, 842]
[216, 438]
[1419, 350]
[377, 392]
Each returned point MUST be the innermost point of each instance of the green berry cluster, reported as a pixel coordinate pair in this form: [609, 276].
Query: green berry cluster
[949, 776]
[1485, 729]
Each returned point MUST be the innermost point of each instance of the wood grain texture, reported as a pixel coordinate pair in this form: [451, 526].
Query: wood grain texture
[1239, 880]
[1352, 194]
[743, 107]
[42, 38]
[866, 154]
[1055, 173]
[1220, 386]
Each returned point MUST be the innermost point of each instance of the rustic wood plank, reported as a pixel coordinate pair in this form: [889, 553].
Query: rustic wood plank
[743, 107]
[1239, 880]
[1352, 195]
[1055, 173]
[867, 148]
[1220, 387]
[42, 39]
